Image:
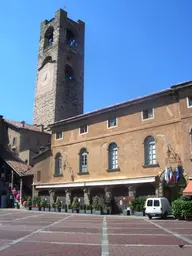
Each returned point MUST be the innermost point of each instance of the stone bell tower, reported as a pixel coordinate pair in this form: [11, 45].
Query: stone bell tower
[60, 73]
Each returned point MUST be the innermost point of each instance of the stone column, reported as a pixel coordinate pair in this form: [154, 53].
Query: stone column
[131, 191]
[35, 192]
[86, 196]
[68, 196]
[159, 190]
[51, 197]
[108, 199]
[12, 179]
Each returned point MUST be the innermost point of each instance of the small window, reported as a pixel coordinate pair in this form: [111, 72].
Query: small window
[83, 161]
[148, 113]
[14, 141]
[38, 176]
[156, 203]
[112, 122]
[113, 156]
[149, 203]
[49, 37]
[58, 164]
[189, 102]
[59, 135]
[83, 129]
[150, 150]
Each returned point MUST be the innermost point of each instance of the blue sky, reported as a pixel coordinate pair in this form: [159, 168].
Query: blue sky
[132, 48]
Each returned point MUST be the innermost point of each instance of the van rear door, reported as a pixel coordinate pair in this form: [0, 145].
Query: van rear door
[157, 206]
[149, 206]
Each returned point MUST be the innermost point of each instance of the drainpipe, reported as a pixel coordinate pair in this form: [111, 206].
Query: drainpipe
[12, 179]
[21, 188]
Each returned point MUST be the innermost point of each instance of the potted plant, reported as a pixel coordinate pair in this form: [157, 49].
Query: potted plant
[29, 203]
[137, 205]
[47, 207]
[88, 209]
[97, 208]
[53, 207]
[42, 204]
[63, 209]
[58, 205]
[69, 209]
[36, 204]
[82, 209]
[75, 205]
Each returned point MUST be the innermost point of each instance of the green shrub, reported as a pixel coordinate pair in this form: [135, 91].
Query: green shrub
[187, 209]
[88, 207]
[178, 207]
[29, 201]
[75, 203]
[138, 203]
[36, 201]
[42, 203]
[97, 203]
[53, 205]
[58, 203]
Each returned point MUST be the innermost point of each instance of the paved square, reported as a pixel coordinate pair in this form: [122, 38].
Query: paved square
[27, 233]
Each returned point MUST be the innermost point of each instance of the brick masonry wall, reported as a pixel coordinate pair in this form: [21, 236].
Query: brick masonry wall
[60, 99]
[129, 135]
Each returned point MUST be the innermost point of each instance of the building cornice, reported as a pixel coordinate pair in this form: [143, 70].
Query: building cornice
[130, 181]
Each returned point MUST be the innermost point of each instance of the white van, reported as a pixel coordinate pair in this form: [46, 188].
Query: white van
[157, 207]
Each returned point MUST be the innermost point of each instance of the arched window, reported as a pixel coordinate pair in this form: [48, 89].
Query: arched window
[68, 72]
[49, 37]
[71, 40]
[58, 164]
[150, 150]
[83, 161]
[113, 156]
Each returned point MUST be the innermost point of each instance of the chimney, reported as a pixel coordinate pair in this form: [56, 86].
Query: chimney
[23, 123]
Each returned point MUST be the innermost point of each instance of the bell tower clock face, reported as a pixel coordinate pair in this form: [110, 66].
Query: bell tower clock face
[45, 79]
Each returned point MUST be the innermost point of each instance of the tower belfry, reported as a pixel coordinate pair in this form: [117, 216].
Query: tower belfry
[60, 73]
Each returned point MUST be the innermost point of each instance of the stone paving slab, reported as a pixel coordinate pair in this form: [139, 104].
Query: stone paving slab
[26, 233]
[149, 251]
[4, 242]
[75, 230]
[47, 249]
[65, 237]
[135, 231]
[140, 239]
[12, 235]
[182, 230]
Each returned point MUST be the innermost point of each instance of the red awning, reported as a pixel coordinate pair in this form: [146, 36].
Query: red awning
[188, 190]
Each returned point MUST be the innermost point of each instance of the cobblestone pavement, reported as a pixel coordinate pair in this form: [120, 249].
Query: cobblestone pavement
[27, 233]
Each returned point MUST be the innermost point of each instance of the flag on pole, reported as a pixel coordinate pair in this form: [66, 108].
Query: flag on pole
[171, 176]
